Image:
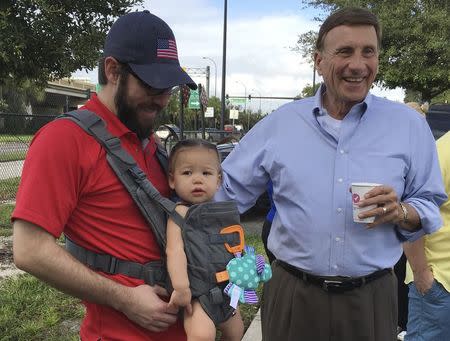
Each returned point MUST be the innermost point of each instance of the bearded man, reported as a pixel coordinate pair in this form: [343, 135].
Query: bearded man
[68, 187]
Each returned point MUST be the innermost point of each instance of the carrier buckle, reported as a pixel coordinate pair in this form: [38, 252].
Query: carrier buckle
[234, 229]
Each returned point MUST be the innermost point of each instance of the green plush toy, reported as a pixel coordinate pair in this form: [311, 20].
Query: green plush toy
[245, 273]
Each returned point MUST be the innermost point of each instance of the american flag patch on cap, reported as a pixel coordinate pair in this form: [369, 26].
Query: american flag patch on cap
[167, 48]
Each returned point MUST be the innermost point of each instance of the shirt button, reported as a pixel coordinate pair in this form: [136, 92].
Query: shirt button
[340, 180]
[338, 239]
[339, 210]
[335, 266]
[342, 151]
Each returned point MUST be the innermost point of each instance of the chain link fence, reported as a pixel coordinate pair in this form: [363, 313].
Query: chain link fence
[16, 132]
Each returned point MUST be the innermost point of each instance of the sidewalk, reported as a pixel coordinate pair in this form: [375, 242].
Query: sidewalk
[253, 332]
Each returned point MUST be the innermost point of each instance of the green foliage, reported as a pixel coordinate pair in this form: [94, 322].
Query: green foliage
[5, 231]
[309, 91]
[415, 45]
[442, 98]
[192, 117]
[17, 95]
[13, 156]
[411, 96]
[8, 188]
[31, 310]
[46, 39]
[216, 104]
[306, 45]
[5, 214]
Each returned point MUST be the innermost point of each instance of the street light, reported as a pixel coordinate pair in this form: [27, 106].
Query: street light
[245, 104]
[215, 75]
[224, 64]
[259, 93]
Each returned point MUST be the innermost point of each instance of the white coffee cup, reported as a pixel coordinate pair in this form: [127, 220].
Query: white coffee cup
[359, 190]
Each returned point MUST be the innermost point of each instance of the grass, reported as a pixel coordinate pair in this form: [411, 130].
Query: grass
[8, 188]
[16, 138]
[13, 156]
[5, 222]
[31, 310]
[248, 311]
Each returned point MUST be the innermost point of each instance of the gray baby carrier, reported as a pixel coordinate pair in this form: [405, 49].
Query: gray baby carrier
[211, 231]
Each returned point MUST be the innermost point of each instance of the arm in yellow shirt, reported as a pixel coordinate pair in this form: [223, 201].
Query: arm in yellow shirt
[423, 276]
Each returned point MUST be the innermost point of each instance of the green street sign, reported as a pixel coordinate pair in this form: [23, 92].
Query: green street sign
[237, 101]
[194, 100]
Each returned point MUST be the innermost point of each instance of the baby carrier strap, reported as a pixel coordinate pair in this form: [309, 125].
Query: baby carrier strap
[150, 202]
[153, 272]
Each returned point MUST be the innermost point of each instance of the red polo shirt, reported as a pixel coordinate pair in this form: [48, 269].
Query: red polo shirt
[68, 186]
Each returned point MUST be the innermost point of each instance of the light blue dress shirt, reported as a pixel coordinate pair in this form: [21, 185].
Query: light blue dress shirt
[379, 141]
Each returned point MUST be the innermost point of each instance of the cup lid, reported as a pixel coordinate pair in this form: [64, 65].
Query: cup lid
[365, 184]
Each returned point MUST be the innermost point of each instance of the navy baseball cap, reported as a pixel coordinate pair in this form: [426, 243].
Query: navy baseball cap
[147, 44]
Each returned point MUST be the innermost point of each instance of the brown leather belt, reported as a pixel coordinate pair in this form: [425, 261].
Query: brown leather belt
[329, 283]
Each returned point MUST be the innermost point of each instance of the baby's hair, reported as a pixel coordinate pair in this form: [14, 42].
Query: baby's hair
[188, 144]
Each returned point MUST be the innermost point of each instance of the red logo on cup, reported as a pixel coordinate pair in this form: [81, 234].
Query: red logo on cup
[355, 198]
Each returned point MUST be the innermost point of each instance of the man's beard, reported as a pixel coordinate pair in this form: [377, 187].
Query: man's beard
[128, 114]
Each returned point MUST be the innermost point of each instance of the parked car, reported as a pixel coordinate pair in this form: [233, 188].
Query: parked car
[438, 117]
[165, 130]
[225, 149]
[233, 130]
[211, 134]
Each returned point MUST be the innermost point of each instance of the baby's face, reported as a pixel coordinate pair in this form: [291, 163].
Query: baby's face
[196, 175]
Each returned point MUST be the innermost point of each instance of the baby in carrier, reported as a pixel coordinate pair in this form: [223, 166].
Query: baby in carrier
[195, 176]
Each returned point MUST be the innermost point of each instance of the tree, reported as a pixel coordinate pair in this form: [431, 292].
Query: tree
[415, 46]
[306, 45]
[47, 39]
[309, 91]
[216, 104]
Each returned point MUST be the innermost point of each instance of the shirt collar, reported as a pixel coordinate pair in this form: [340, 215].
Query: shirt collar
[319, 110]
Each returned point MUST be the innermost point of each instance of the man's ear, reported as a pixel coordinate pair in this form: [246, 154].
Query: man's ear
[112, 70]
[317, 61]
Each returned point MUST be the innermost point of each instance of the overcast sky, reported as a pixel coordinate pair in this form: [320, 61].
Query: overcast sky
[260, 35]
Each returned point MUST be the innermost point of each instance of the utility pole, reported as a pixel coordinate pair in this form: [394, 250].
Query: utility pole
[224, 62]
[207, 79]
[215, 75]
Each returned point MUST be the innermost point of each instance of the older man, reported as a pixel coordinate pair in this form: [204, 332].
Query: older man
[68, 186]
[333, 277]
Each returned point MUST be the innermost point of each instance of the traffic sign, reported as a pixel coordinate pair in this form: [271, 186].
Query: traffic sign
[194, 100]
[234, 114]
[209, 112]
[237, 101]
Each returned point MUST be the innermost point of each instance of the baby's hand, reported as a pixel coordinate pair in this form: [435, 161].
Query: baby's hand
[181, 298]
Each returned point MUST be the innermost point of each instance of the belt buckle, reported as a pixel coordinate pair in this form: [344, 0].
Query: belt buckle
[332, 286]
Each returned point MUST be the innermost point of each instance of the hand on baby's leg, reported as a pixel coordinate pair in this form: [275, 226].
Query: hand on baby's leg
[181, 298]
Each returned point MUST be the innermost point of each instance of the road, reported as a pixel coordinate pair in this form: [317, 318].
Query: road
[13, 147]
[10, 169]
